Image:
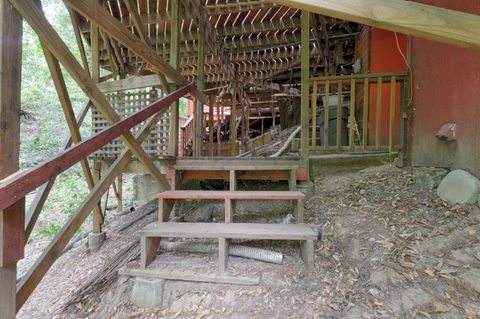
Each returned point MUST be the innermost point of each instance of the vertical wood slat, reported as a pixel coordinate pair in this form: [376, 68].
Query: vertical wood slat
[326, 119]
[351, 117]
[314, 113]
[339, 113]
[366, 109]
[393, 98]
[378, 113]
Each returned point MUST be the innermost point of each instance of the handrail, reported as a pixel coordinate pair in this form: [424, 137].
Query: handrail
[16, 186]
[398, 75]
[187, 122]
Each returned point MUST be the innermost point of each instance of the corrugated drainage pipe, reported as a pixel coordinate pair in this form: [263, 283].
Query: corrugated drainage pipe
[235, 250]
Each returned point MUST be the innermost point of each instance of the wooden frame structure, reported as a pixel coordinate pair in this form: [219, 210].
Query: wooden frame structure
[243, 52]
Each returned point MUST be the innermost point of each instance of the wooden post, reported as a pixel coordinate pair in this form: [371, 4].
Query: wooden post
[12, 236]
[219, 127]
[305, 80]
[339, 113]
[233, 122]
[201, 86]
[393, 101]
[210, 123]
[378, 114]
[175, 63]
[97, 175]
[314, 113]
[326, 118]
[120, 193]
[366, 108]
[351, 117]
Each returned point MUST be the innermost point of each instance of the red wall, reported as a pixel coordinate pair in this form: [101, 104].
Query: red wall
[385, 57]
[446, 89]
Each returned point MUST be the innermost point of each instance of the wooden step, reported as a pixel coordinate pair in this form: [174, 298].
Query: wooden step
[259, 195]
[230, 231]
[238, 164]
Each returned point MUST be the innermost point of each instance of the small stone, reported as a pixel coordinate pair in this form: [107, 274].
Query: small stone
[459, 187]
[363, 192]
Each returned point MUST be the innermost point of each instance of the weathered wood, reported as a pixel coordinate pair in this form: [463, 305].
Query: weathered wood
[95, 51]
[257, 195]
[307, 252]
[237, 164]
[305, 84]
[210, 123]
[229, 210]
[55, 248]
[378, 113]
[351, 118]
[339, 113]
[408, 17]
[149, 246]
[120, 193]
[190, 276]
[197, 151]
[175, 64]
[326, 118]
[17, 186]
[233, 122]
[42, 193]
[314, 113]
[230, 231]
[393, 102]
[48, 36]
[223, 254]
[131, 83]
[269, 175]
[366, 113]
[165, 207]
[12, 238]
[78, 37]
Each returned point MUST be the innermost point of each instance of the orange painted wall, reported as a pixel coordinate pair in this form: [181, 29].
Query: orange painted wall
[447, 80]
[385, 57]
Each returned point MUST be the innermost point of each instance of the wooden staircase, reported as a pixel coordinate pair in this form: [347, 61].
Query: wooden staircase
[224, 232]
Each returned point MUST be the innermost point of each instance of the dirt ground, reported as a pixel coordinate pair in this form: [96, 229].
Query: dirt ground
[389, 249]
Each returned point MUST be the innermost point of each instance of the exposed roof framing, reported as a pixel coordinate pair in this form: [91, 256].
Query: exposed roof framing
[248, 41]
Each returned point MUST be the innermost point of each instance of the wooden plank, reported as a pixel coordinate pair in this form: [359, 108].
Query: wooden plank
[76, 30]
[210, 123]
[270, 175]
[366, 113]
[307, 252]
[230, 231]
[314, 113]
[393, 102]
[305, 84]
[339, 113]
[233, 122]
[326, 120]
[148, 250]
[42, 193]
[12, 238]
[188, 276]
[95, 51]
[56, 246]
[165, 207]
[49, 38]
[299, 211]
[401, 76]
[408, 17]
[256, 195]
[17, 186]
[131, 83]
[351, 117]
[378, 113]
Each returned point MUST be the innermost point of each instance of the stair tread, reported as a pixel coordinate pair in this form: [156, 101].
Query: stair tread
[230, 231]
[199, 194]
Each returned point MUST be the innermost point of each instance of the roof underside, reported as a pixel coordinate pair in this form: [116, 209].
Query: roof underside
[260, 39]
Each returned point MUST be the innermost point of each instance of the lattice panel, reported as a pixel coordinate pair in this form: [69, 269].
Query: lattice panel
[126, 103]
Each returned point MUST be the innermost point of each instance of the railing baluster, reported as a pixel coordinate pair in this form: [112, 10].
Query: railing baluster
[326, 114]
[378, 113]
[351, 117]
[314, 113]
[393, 100]
[339, 113]
[366, 108]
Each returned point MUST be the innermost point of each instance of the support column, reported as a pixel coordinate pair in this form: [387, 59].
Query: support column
[305, 81]
[233, 122]
[200, 86]
[174, 62]
[12, 235]
[210, 123]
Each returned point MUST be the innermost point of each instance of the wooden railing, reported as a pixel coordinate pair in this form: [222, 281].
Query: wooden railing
[187, 137]
[358, 112]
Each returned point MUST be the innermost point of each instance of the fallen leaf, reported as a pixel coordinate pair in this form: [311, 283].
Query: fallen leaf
[430, 272]
[440, 307]
[453, 263]
[408, 264]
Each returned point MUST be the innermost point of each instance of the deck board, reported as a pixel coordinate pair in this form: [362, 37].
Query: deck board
[259, 195]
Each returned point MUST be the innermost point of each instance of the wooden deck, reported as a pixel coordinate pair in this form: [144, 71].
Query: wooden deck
[258, 195]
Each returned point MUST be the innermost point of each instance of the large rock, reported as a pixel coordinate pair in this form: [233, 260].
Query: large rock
[459, 187]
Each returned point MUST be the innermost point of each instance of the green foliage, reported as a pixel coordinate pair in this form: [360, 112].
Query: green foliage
[49, 230]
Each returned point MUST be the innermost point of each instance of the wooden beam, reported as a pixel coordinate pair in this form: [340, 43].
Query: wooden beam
[55, 248]
[408, 17]
[305, 84]
[93, 11]
[130, 83]
[78, 37]
[42, 193]
[50, 39]
[18, 185]
[233, 122]
[66, 104]
[12, 239]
